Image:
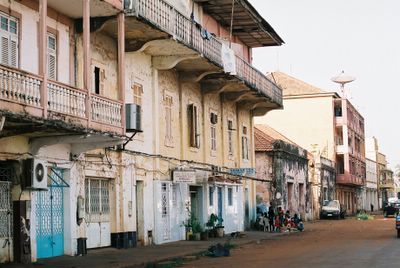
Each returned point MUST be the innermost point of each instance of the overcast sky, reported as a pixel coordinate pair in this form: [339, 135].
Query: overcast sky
[361, 37]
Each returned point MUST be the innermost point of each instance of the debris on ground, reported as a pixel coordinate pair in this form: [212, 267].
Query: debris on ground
[219, 250]
[364, 216]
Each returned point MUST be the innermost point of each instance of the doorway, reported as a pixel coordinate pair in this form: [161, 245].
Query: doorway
[50, 217]
[139, 213]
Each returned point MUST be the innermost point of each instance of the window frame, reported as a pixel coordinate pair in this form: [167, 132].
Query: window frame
[168, 105]
[193, 124]
[52, 52]
[230, 196]
[245, 143]
[11, 37]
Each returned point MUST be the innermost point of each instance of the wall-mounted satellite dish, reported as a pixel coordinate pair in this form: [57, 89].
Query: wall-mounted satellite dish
[343, 79]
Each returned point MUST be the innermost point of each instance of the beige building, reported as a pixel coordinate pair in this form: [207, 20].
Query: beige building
[324, 123]
[385, 183]
[132, 115]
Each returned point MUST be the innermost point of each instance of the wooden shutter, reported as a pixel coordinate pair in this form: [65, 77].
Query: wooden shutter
[4, 49]
[51, 56]
[194, 137]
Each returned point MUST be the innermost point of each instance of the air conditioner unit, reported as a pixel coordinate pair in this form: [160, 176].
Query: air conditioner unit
[35, 174]
[133, 117]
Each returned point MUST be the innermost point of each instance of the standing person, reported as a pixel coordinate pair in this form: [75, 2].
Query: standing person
[271, 217]
[281, 216]
[372, 207]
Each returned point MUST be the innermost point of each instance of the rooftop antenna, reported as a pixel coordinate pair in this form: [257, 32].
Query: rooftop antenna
[343, 79]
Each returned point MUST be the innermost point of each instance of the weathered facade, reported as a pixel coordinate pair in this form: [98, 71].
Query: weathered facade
[134, 114]
[284, 168]
[322, 175]
[373, 153]
[198, 100]
[327, 124]
[53, 111]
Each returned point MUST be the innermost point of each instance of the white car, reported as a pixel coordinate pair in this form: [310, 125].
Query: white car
[332, 209]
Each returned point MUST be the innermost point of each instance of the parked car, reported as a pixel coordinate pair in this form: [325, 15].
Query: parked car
[398, 225]
[333, 209]
[391, 208]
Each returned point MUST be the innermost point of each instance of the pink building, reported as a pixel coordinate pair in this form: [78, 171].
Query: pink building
[350, 152]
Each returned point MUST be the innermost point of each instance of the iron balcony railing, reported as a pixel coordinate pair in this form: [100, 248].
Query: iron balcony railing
[168, 19]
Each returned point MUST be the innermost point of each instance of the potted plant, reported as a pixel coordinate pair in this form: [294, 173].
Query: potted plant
[215, 225]
[196, 229]
[219, 228]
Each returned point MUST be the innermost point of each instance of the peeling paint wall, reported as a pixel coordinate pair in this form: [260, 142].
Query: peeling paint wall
[290, 184]
[104, 55]
[263, 172]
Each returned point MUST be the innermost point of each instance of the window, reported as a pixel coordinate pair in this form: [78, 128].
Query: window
[97, 204]
[211, 196]
[96, 79]
[213, 131]
[245, 144]
[230, 197]
[168, 118]
[230, 137]
[213, 138]
[9, 40]
[51, 56]
[137, 90]
[194, 138]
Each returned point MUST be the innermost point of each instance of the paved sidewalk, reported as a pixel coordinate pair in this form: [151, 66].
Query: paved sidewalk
[142, 256]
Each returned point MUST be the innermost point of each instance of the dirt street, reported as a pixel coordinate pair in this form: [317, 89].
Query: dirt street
[327, 243]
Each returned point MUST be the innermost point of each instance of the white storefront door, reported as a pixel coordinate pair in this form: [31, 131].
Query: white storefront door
[97, 207]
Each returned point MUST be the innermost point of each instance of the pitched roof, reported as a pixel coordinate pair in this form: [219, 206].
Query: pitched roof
[292, 86]
[269, 133]
[262, 141]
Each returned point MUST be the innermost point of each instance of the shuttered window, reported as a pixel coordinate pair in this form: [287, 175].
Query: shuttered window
[9, 40]
[51, 56]
[193, 126]
[245, 144]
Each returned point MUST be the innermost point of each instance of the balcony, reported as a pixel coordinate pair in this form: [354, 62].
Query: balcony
[387, 184]
[20, 94]
[176, 41]
[349, 179]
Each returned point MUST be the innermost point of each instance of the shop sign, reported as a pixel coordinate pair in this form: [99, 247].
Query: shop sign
[242, 171]
[184, 176]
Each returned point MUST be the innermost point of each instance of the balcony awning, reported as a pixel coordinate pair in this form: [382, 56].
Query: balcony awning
[248, 24]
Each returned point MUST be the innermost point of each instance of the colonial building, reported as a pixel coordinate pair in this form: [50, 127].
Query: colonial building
[56, 103]
[371, 187]
[197, 97]
[328, 124]
[383, 186]
[282, 170]
[127, 117]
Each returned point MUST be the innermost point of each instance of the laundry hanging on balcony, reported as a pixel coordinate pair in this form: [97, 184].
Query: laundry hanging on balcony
[228, 59]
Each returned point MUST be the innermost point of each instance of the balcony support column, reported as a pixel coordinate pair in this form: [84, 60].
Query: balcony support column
[43, 54]
[86, 58]
[121, 65]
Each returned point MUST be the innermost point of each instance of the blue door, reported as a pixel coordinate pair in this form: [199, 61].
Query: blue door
[220, 202]
[50, 218]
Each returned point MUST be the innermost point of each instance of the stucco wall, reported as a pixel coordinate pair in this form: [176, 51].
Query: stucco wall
[307, 121]
[104, 55]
